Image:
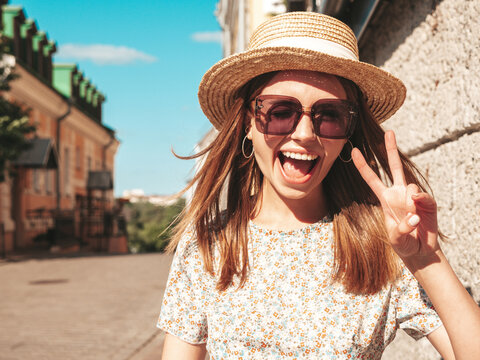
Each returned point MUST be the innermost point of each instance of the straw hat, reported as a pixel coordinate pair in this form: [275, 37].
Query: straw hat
[299, 41]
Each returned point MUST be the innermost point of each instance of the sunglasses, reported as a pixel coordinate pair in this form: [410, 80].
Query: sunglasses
[279, 115]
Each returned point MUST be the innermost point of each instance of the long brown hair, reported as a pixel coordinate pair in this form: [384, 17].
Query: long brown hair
[364, 261]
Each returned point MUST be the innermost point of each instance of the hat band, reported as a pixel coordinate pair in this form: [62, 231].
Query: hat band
[321, 45]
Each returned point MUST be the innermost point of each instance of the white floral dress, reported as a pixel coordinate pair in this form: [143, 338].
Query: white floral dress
[289, 307]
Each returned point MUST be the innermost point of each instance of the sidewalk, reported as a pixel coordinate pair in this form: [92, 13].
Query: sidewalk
[82, 307]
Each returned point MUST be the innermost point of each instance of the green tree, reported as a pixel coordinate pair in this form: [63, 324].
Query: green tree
[150, 227]
[14, 123]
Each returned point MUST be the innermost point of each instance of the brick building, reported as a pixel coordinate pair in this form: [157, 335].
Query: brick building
[62, 191]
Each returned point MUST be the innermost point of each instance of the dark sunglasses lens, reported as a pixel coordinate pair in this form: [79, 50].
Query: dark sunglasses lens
[281, 116]
[333, 120]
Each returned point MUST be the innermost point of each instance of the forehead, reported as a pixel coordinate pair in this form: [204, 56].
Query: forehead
[293, 81]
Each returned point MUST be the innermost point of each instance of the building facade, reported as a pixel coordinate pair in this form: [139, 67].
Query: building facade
[61, 193]
[433, 47]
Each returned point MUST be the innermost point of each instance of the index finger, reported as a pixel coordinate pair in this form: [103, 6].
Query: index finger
[372, 180]
[394, 161]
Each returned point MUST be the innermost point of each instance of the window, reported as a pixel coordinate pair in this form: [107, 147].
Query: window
[78, 158]
[48, 181]
[36, 180]
[296, 5]
[66, 171]
[274, 7]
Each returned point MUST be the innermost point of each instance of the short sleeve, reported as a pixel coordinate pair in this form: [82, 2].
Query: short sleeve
[415, 312]
[183, 308]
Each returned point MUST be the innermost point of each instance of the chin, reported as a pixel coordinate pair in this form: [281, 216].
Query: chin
[299, 192]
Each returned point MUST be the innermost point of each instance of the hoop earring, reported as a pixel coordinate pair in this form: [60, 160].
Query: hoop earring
[340, 155]
[243, 149]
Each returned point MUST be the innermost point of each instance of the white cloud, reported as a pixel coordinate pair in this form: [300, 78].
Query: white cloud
[103, 54]
[208, 36]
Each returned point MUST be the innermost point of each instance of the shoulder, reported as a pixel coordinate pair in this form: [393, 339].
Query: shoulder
[188, 244]
[187, 256]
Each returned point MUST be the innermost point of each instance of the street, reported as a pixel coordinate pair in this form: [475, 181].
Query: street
[82, 307]
[97, 307]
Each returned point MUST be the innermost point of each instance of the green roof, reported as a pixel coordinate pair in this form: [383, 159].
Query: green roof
[38, 38]
[66, 78]
[28, 25]
[62, 78]
[49, 48]
[9, 13]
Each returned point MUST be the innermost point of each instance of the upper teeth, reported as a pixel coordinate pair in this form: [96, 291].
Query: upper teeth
[298, 156]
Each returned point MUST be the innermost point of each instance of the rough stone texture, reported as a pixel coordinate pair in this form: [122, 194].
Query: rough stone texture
[454, 175]
[404, 347]
[434, 47]
[95, 307]
[455, 181]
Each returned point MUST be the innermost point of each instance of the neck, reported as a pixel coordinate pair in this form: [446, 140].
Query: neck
[279, 213]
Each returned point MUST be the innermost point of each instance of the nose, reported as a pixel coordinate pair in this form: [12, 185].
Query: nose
[304, 130]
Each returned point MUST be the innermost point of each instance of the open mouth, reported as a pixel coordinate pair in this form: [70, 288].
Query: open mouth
[296, 165]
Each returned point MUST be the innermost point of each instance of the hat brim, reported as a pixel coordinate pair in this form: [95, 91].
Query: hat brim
[384, 93]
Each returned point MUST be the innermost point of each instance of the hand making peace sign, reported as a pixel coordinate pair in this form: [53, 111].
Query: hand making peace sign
[410, 215]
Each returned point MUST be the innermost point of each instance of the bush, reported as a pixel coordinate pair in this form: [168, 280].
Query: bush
[150, 226]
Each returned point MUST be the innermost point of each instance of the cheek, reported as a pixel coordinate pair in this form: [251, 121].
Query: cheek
[332, 149]
[265, 151]
[265, 146]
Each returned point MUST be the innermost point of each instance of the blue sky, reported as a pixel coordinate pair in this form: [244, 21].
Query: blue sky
[148, 58]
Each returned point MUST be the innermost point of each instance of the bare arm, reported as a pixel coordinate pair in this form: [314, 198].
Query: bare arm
[440, 340]
[177, 349]
[411, 223]
[458, 311]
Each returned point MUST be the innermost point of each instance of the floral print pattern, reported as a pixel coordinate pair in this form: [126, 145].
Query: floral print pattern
[289, 307]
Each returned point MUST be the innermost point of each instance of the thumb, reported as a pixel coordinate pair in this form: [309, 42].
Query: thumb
[403, 244]
[408, 224]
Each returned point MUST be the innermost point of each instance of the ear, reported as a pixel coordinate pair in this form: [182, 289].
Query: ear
[249, 132]
[249, 123]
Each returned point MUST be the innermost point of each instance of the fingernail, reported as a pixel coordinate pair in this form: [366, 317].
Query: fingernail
[414, 220]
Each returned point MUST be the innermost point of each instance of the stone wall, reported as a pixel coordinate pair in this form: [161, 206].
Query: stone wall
[434, 47]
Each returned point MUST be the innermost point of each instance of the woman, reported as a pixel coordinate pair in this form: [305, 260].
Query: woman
[325, 221]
